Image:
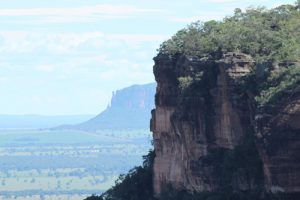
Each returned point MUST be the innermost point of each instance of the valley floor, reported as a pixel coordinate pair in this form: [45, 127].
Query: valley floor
[43, 164]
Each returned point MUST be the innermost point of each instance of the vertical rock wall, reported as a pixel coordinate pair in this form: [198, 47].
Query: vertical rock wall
[278, 139]
[189, 123]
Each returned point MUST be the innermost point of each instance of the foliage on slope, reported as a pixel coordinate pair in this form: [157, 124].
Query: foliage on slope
[282, 82]
[136, 185]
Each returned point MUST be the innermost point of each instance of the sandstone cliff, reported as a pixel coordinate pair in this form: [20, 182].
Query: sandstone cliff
[211, 135]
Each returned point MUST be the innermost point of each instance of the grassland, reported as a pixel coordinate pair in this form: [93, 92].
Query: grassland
[45, 164]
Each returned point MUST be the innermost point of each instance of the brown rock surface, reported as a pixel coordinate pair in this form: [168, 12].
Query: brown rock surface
[278, 139]
[184, 134]
[203, 112]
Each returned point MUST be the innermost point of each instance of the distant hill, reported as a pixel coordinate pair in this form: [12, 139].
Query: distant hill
[130, 108]
[39, 121]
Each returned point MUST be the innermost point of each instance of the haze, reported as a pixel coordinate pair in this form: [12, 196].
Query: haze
[67, 56]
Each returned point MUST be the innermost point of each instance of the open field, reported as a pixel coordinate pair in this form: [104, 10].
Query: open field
[43, 164]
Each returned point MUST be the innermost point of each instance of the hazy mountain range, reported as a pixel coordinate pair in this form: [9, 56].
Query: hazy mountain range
[130, 108]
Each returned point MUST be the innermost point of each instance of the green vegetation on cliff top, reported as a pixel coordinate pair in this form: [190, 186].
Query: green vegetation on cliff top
[266, 35]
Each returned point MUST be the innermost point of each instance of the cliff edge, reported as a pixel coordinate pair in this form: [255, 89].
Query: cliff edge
[210, 134]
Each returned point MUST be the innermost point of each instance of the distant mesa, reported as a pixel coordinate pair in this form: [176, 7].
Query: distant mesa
[130, 108]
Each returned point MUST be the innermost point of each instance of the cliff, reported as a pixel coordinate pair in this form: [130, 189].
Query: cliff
[130, 108]
[211, 134]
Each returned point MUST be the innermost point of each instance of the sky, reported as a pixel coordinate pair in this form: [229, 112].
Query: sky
[65, 57]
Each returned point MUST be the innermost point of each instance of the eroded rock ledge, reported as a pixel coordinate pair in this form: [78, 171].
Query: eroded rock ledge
[209, 133]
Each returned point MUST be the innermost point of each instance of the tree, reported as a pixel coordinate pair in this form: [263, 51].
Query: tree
[298, 4]
[136, 185]
[269, 35]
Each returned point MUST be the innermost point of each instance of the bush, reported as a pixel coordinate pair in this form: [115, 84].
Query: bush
[136, 185]
[279, 83]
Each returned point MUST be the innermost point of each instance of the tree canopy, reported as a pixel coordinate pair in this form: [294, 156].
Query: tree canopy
[269, 35]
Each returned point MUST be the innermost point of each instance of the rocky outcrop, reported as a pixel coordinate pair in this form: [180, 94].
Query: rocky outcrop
[204, 124]
[130, 108]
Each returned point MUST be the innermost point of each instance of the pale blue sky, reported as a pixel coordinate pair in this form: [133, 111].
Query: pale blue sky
[67, 56]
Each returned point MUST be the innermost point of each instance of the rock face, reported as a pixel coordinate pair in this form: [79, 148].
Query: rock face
[130, 108]
[202, 123]
[278, 139]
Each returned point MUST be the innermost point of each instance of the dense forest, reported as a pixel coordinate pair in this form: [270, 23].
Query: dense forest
[269, 36]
